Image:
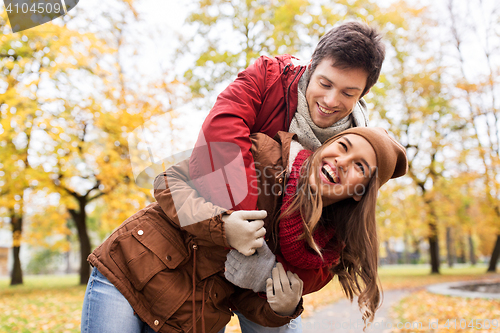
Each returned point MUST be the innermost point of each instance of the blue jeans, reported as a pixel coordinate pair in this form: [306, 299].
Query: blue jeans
[105, 310]
[247, 326]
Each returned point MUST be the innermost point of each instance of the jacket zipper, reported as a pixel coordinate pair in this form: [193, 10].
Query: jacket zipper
[288, 101]
[195, 247]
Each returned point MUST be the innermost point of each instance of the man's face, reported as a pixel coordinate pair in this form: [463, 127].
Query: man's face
[332, 93]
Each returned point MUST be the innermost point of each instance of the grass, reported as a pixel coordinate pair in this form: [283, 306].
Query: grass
[408, 277]
[442, 313]
[53, 303]
[453, 314]
[42, 304]
[41, 282]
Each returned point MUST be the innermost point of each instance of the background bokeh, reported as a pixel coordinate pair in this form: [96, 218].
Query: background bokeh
[75, 90]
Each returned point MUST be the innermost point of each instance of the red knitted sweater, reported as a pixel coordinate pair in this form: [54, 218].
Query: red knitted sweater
[298, 252]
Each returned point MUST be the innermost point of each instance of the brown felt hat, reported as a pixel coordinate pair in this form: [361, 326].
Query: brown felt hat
[391, 155]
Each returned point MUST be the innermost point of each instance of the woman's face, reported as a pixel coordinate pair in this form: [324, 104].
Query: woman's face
[345, 169]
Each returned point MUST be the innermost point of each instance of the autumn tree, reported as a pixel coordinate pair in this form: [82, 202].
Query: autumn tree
[401, 215]
[32, 60]
[87, 134]
[87, 98]
[476, 40]
[26, 57]
[457, 210]
[230, 34]
[412, 100]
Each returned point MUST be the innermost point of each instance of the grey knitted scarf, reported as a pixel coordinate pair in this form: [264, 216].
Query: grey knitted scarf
[311, 136]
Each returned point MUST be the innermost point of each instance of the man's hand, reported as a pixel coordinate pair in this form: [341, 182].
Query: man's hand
[287, 291]
[250, 272]
[245, 230]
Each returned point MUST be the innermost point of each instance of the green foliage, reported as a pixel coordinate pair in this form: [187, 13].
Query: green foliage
[44, 304]
[253, 27]
[230, 35]
[44, 262]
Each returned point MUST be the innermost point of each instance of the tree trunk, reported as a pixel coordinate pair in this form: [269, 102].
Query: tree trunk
[390, 255]
[492, 268]
[433, 235]
[80, 218]
[67, 256]
[471, 251]
[416, 256]
[462, 257]
[406, 251]
[17, 272]
[434, 248]
[449, 247]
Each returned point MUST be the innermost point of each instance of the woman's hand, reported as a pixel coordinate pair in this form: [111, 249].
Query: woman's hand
[250, 272]
[245, 230]
[287, 291]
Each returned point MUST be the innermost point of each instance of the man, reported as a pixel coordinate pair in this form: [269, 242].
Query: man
[315, 101]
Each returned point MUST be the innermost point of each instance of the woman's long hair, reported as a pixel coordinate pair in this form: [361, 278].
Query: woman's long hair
[355, 228]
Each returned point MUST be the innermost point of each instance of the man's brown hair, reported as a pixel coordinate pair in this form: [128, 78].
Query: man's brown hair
[352, 45]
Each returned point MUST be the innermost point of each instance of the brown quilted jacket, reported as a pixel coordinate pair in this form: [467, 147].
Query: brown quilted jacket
[172, 273]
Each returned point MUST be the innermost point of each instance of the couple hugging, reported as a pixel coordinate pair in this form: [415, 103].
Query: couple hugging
[287, 210]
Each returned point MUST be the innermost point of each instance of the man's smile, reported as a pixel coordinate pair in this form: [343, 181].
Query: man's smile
[324, 110]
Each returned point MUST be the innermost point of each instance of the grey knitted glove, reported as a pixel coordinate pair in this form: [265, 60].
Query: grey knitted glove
[250, 272]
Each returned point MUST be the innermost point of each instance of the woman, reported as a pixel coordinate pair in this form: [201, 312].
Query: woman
[340, 235]
[172, 276]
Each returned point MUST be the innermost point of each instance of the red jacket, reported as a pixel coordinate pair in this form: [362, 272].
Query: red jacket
[263, 98]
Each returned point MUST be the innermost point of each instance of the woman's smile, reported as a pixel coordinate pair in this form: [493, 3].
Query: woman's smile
[329, 174]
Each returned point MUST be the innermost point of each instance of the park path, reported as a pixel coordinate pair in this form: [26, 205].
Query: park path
[345, 317]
